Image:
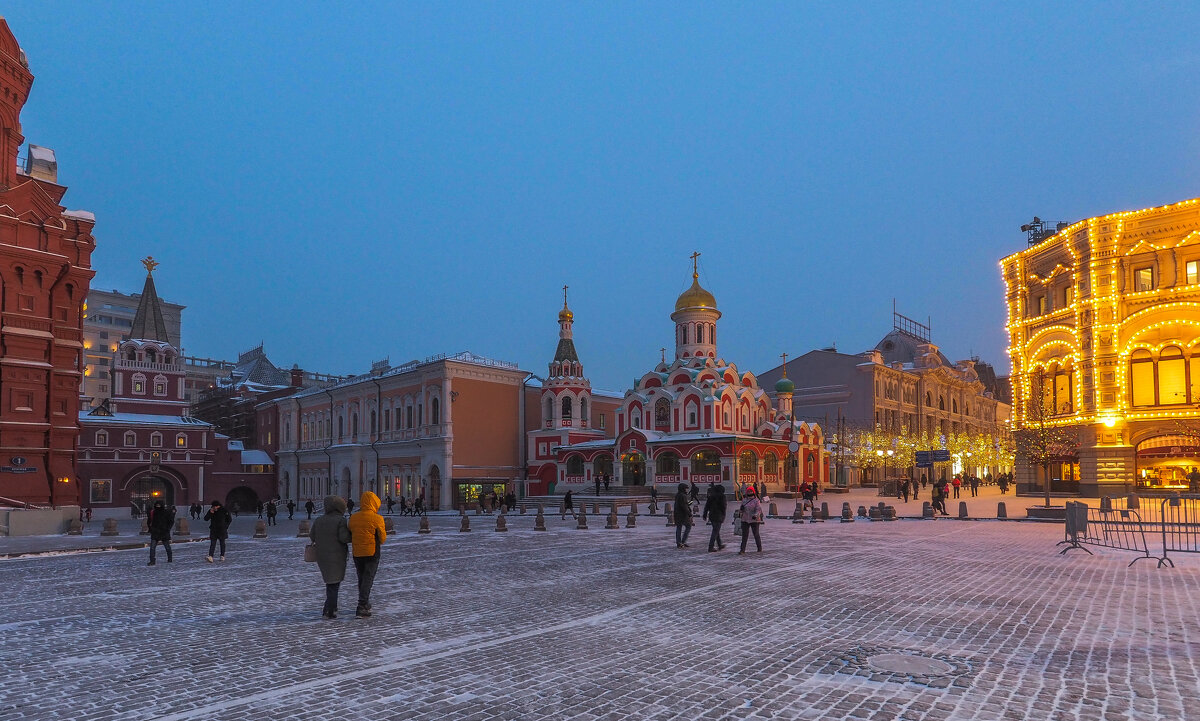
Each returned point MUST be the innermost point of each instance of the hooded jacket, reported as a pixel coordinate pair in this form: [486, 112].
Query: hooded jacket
[366, 526]
[332, 536]
[218, 521]
[162, 518]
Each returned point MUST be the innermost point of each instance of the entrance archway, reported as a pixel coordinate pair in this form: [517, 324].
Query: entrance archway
[245, 498]
[633, 469]
[148, 489]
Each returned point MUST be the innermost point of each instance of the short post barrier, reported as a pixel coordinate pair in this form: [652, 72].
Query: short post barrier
[304, 528]
[501, 523]
[145, 527]
[389, 526]
[847, 514]
[889, 513]
[539, 523]
[1001, 510]
[1132, 502]
[962, 510]
[612, 523]
[582, 525]
[464, 525]
[182, 527]
[631, 519]
[862, 511]
[424, 527]
[110, 527]
[75, 527]
[874, 513]
[670, 516]
[260, 529]
[773, 510]
[926, 511]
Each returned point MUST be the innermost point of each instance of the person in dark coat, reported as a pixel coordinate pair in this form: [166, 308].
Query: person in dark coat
[272, 511]
[218, 529]
[350, 506]
[683, 516]
[714, 513]
[308, 508]
[597, 485]
[259, 507]
[291, 506]
[568, 506]
[331, 534]
[161, 519]
[606, 482]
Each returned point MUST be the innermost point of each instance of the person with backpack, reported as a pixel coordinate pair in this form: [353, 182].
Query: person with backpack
[714, 513]
[161, 520]
[751, 515]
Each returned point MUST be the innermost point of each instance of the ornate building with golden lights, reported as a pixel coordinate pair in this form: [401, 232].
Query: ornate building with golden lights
[1104, 331]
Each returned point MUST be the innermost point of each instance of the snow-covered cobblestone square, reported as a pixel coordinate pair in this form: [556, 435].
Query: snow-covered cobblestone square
[907, 620]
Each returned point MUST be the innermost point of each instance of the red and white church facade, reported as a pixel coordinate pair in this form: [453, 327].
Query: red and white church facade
[697, 419]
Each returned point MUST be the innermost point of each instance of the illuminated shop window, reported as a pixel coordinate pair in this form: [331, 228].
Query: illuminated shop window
[1172, 377]
[1141, 378]
[1193, 272]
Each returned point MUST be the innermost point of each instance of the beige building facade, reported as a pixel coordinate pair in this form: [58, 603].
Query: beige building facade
[1104, 329]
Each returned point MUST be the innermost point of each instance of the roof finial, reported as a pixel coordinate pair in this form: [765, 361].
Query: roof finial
[784, 357]
[695, 267]
[150, 264]
[663, 351]
[565, 296]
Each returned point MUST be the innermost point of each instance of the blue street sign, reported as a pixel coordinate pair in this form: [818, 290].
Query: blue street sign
[924, 457]
[941, 456]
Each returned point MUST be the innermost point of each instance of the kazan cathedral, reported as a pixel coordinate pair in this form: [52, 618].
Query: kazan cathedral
[697, 419]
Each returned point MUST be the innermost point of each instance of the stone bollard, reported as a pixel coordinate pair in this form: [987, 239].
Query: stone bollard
[612, 518]
[772, 510]
[847, 515]
[1001, 510]
[523, 509]
[962, 510]
[653, 508]
[596, 508]
[1105, 504]
[631, 520]
[305, 527]
[874, 513]
[75, 527]
[501, 524]
[389, 526]
[462, 510]
[260, 529]
[582, 525]
[862, 511]
[1132, 502]
[539, 523]
[479, 508]
[798, 512]
[424, 527]
[889, 513]
[503, 509]
[824, 511]
[465, 525]
[110, 527]
[182, 527]
[670, 516]
[145, 527]
[633, 507]
[926, 510]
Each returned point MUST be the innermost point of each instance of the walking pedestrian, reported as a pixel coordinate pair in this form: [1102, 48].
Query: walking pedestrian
[234, 508]
[683, 516]
[714, 513]
[568, 506]
[606, 481]
[332, 536]
[88, 513]
[904, 488]
[259, 507]
[161, 519]
[291, 506]
[597, 485]
[308, 507]
[695, 492]
[957, 483]
[752, 517]
[974, 486]
[218, 529]
[390, 504]
[272, 511]
[367, 536]
[924, 480]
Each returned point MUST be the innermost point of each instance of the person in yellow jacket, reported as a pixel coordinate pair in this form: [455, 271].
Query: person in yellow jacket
[367, 537]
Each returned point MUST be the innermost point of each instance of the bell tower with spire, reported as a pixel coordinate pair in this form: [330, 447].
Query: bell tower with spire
[148, 372]
[567, 393]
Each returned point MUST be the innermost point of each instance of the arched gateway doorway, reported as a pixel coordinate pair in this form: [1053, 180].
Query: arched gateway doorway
[148, 489]
[633, 469]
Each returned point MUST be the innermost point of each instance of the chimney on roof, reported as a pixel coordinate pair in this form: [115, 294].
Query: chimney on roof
[297, 377]
[40, 163]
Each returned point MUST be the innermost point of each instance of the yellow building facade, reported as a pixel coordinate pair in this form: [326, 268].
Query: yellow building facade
[1104, 336]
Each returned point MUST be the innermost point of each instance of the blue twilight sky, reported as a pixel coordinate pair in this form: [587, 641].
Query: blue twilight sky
[351, 181]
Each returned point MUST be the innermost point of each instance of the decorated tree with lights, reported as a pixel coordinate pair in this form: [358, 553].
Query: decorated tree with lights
[1039, 440]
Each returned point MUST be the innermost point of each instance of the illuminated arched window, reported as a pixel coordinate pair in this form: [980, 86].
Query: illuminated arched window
[667, 464]
[748, 462]
[706, 463]
[1141, 378]
[1062, 390]
[770, 464]
[1172, 376]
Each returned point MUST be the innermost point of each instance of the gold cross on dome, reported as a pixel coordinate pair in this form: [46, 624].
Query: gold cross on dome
[664, 354]
[784, 357]
[695, 268]
[565, 296]
[150, 263]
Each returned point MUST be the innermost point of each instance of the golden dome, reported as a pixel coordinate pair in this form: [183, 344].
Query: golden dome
[565, 314]
[695, 297]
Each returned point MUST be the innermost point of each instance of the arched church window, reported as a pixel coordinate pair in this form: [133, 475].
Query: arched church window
[341, 427]
[954, 403]
[706, 463]
[770, 464]
[583, 409]
[566, 407]
[435, 407]
[700, 333]
[151, 356]
[130, 439]
[748, 462]
[575, 465]
[156, 440]
[667, 464]
[662, 414]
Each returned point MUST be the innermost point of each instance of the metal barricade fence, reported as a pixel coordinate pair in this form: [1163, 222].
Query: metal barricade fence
[1179, 517]
[1117, 528]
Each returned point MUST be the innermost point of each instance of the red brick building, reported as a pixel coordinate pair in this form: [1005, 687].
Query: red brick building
[140, 445]
[45, 270]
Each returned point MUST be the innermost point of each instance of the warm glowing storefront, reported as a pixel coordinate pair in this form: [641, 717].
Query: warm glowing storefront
[1104, 328]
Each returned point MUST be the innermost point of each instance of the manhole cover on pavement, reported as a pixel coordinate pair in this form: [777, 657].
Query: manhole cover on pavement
[906, 664]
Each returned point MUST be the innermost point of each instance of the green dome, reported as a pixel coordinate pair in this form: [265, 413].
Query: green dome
[784, 385]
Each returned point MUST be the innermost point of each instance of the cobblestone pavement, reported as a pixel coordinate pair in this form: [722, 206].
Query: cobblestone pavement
[908, 620]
